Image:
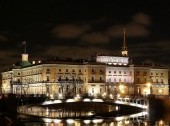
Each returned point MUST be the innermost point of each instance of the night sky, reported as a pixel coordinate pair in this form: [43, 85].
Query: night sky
[79, 28]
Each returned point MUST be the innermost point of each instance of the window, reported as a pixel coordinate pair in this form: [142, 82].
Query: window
[66, 70]
[100, 78]
[151, 73]
[161, 73]
[92, 70]
[130, 72]
[156, 73]
[115, 72]
[115, 80]
[59, 70]
[79, 71]
[119, 72]
[48, 70]
[92, 90]
[48, 78]
[137, 72]
[144, 73]
[92, 79]
[124, 72]
[73, 70]
[156, 80]
[59, 90]
[101, 90]
[109, 71]
[120, 80]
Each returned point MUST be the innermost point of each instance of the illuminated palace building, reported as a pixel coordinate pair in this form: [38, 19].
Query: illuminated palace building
[106, 76]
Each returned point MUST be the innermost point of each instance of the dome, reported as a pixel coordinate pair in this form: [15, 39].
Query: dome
[23, 63]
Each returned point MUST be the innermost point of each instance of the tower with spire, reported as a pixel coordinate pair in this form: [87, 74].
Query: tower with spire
[24, 54]
[124, 47]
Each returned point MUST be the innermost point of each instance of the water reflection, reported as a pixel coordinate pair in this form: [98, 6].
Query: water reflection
[139, 119]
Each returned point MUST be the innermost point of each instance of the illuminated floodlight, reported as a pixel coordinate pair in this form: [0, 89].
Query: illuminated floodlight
[119, 118]
[51, 96]
[78, 97]
[47, 120]
[56, 120]
[70, 100]
[111, 96]
[60, 96]
[57, 101]
[47, 103]
[87, 100]
[70, 121]
[97, 100]
[90, 113]
[87, 121]
[97, 121]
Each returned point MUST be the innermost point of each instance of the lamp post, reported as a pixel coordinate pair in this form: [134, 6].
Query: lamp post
[149, 86]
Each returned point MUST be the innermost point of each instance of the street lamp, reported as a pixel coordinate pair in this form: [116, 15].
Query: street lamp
[149, 86]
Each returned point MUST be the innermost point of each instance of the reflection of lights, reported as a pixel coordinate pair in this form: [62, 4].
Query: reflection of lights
[47, 94]
[47, 112]
[111, 96]
[57, 101]
[119, 118]
[56, 120]
[86, 121]
[78, 97]
[51, 102]
[145, 123]
[161, 122]
[160, 91]
[118, 95]
[97, 100]
[117, 108]
[148, 84]
[51, 96]
[127, 122]
[139, 114]
[47, 103]
[86, 100]
[104, 94]
[70, 121]
[70, 100]
[60, 96]
[90, 113]
[47, 120]
[97, 120]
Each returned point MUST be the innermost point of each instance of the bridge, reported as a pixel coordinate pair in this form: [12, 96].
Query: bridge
[136, 102]
[44, 111]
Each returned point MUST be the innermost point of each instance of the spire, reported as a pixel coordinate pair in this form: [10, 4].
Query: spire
[25, 46]
[24, 55]
[124, 48]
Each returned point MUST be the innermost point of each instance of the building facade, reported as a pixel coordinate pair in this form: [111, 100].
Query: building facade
[107, 76]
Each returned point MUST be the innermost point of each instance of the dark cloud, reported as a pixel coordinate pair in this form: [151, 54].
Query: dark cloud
[69, 31]
[95, 38]
[69, 28]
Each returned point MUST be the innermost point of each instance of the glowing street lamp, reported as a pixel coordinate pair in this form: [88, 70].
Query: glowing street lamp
[149, 87]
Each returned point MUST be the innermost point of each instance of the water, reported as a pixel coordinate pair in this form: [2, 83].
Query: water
[138, 119]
